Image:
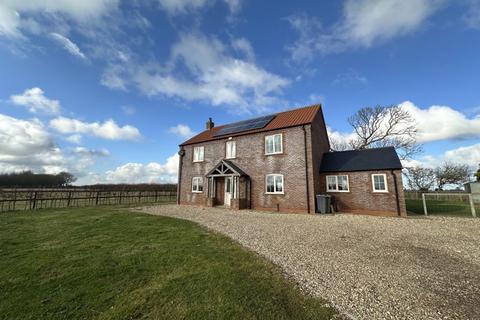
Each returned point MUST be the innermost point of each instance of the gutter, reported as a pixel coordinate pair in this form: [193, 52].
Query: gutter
[306, 167]
[181, 153]
[396, 192]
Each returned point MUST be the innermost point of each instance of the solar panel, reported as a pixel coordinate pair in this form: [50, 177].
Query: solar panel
[245, 125]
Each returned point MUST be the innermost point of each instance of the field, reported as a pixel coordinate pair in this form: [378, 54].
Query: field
[33, 199]
[441, 207]
[109, 263]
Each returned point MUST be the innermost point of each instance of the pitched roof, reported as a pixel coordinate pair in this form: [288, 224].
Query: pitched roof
[230, 165]
[286, 119]
[361, 160]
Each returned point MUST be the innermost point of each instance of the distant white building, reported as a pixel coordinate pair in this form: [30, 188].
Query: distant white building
[474, 189]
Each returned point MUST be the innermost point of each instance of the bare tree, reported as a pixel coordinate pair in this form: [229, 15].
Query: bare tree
[420, 178]
[66, 178]
[382, 126]
[477, 174]
[451, 173]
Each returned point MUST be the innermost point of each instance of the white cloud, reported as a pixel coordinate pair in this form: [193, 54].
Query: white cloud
[467, 155]
[27, 145]
[174, 7]
[75, 138]
[234, 5]
[340, 140]
[443, 123]
[15, 14]
[364, 24]
[23, 137]
[91, 152]
[153, 172]
[106, 130]
[368, 21]
[128, 110]
[216, 77]
[350, 77]
[181, 6]
[244, 46]
[182, 130]
[434, 123]
[35, 100]
[472, 15]
[113, 77]
[68, 45]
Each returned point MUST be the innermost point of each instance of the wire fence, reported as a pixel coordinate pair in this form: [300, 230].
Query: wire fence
[33, 199]
[460, 204]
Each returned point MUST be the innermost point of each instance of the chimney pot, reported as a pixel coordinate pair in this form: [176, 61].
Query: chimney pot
[210, 124]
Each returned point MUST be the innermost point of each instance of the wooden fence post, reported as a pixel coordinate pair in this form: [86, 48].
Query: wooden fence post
[96, 199]
[424, 204]
[69, 198]
[34, 200]
[14, 199]
[472, 205]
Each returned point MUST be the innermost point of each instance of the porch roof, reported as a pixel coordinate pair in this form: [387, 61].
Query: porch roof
[226, 168]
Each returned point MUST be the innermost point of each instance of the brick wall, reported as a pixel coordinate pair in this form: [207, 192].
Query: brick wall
[361, 198]
[252, 160]
[321, 145]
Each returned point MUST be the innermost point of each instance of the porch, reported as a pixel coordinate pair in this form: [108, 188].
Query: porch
[228, 186]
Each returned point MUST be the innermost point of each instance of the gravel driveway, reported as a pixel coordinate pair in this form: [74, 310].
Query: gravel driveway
[368, 267]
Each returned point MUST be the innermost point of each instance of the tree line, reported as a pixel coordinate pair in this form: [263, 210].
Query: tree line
[28, 179]
[447, 174]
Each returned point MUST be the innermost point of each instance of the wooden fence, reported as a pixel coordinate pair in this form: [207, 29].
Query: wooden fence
[33, 199]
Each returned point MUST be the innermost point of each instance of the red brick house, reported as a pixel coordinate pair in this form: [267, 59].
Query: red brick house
[280, 162]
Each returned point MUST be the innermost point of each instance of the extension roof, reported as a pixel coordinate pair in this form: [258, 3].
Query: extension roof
[361, 160]
[286, 119]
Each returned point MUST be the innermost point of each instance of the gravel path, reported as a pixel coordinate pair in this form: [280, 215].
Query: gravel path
[368, 267]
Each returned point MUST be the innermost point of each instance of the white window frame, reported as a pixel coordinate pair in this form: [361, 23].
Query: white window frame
[273, 137]
[234, 153]
[196, 184]
[336, 183]
[384, 180]
[196, 158]
[274, 175]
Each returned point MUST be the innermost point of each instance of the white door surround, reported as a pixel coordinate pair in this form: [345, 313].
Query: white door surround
[228, 190]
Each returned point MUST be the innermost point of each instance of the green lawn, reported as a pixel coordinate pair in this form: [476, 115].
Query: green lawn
[441, 207]
[106, 263]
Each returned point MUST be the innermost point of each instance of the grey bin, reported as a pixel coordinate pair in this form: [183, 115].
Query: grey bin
[323, 203]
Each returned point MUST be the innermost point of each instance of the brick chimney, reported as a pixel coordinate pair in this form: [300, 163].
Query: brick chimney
[210, 124]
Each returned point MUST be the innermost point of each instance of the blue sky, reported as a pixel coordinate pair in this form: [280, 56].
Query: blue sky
[107, 89]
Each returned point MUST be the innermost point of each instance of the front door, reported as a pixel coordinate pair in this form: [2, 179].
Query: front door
[228, 190]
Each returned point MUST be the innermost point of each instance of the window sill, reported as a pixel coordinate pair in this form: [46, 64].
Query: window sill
[377, 191]
[339, 191]
[274, 193]
[197, 191]
[198, 161]
[272, 154]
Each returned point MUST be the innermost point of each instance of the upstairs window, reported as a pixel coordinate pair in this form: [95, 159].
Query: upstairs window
[230, 150]
[273, 144]
[274, 184]
[198, 154]
[379, 182]
[338, 183]
[197, 184]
